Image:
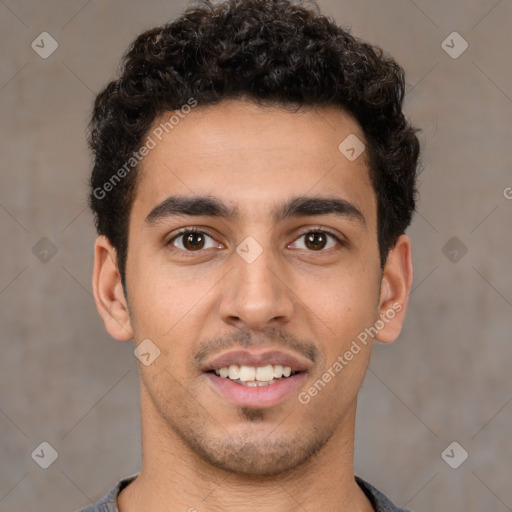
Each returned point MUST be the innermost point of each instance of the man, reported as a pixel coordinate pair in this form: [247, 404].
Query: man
[253, 179]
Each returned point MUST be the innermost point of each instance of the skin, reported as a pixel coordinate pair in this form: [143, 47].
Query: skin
[200, 451]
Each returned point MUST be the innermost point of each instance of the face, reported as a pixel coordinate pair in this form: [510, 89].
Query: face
[253, 246]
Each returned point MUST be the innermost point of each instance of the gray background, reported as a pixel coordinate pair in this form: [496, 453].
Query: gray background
[63, 380]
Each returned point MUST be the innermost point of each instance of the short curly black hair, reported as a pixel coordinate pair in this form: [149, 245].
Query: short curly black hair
[269, 51]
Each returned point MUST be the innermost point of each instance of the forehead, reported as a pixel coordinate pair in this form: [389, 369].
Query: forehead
[252, 156]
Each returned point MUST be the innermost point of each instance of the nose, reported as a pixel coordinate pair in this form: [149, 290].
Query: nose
[256, 294]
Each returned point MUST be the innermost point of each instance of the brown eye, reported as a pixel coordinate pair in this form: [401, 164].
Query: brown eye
[317, 241]
[192, 241]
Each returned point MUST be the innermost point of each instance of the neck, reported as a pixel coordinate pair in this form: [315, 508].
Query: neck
[173, 474]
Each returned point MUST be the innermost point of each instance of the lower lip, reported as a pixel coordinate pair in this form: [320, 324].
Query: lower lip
[256, 396]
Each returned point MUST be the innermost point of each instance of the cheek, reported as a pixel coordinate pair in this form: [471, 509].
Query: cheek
[344, 306]
[161, 297]
[168, 307]
[345, 301]
[347, 349]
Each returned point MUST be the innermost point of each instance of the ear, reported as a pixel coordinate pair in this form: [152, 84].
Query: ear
[108, 291]
[395, 287]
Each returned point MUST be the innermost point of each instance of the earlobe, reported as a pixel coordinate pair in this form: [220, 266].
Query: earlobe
[108, 291]
[395, 287]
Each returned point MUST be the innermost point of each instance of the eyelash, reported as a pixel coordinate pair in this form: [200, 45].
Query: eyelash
[187, 231]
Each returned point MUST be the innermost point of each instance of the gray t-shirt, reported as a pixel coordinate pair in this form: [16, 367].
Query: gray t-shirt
[109, 503]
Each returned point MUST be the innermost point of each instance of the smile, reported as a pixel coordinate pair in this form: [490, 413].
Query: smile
[254, 375]
[246, 386]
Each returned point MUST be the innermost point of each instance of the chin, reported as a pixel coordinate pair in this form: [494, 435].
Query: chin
[264, 457]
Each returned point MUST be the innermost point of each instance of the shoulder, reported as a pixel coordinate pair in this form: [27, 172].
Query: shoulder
[109, 502]
[380, 501]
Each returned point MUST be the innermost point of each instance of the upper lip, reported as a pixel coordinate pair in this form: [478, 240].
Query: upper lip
[246, 358]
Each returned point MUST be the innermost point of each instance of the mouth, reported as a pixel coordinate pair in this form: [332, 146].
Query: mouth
[253, 376]
[255, 380]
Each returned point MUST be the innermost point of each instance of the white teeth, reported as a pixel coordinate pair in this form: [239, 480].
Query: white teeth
[265, 373]
[247, 373]
[254, 376]
[255, 383]
[234, 372]
[278, 371]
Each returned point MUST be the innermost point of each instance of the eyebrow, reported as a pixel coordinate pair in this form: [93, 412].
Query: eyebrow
[300, 206]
